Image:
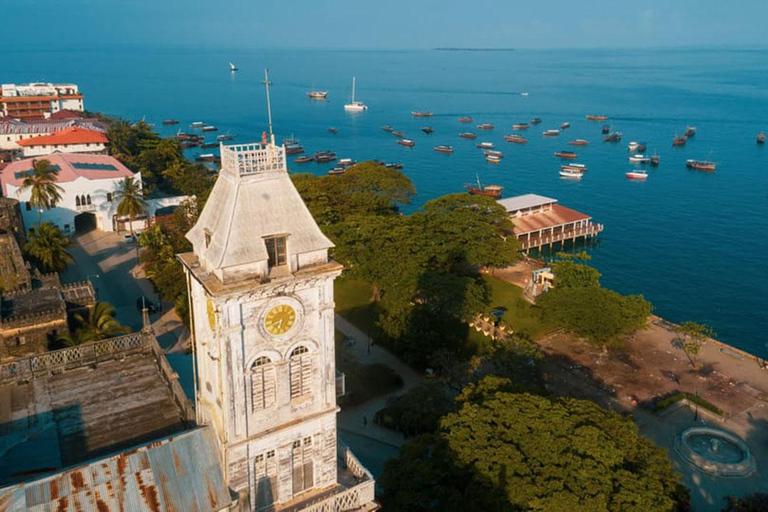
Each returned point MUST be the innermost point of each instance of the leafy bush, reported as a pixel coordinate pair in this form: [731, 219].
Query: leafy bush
[673, 399]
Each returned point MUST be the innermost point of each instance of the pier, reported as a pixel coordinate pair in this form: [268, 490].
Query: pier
[539, 221]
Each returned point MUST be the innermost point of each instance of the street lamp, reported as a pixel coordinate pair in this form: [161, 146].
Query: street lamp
[95, 288]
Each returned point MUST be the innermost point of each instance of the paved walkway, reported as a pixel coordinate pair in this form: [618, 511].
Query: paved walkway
[350, 419]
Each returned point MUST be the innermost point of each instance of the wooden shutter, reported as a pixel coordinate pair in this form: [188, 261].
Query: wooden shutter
[306, 373]
[308, 464]
[270, 387]
[257, 389]
[298, 469]
[295, 371]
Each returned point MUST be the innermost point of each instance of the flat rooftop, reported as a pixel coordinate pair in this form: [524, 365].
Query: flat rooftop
[66, 407]
[557, 216]
[513, 204]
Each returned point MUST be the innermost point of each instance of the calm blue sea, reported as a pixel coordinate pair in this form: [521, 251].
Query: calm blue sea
[695, 244]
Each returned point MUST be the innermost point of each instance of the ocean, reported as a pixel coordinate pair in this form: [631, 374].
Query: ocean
[691, 242]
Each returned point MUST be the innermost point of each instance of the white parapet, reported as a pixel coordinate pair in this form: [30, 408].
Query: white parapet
[248, 159]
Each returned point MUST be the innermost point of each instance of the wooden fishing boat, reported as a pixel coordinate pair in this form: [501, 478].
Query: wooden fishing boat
[579, 142]
[324, 156]
[565, 126]
[761, 138]
[567, 155]
[637, 175]
[551, 133]
[421, 113]
[398, 134]
[597, 118]
[465, 119]
[303, 159]
[492, 159]
[520, 126]
[679, 140]
[485, 145]
[427, 130]
[485, 126]
[517, 139]
[536, 120]
[444, 149]
[333, 130]
[169, 122]
[487, 190]
[701, 165]
[574, 167]
[690, 131]
[468, 135]
[612, 137]
[406, 142]
[387, 128]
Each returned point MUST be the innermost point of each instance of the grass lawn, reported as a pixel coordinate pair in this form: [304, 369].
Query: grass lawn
[353, 302]
[519, 314]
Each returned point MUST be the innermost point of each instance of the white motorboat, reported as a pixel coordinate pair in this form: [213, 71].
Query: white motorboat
[639, 159]
[637, 175]
[571, 173]
[355, 106]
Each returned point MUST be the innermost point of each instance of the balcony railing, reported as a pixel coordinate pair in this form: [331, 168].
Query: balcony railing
[551, 238]
[85, 208]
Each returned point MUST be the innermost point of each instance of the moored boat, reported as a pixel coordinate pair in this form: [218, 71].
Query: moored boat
[701, 165]
[225, 136]
[520, 126]
[303, 159]
[636, 175]
[387, 128]
[318, 95]
[333, 130]
[487, 190]
[642, 147]
[206, 157]
[492, 159]
[579, 142]
[655, 160]
[294, 149]
[485, 126]
[444, 149]
[210, 128]
[574, 167]
[394, 165]
[427, 130]
[398, 134]
[690, 131]
[632, 146]
[565, 126]
[170, 121]
[406, 142]
[761, 138]
[517, 139]
[639, 159]
[467, 135]
[492, 152]
[465, 119]
[551, 133]
[485, 145]
[336, 171]
[355, 106]
[324, 156]
[571, 173]
[536, 120]
[679, 140]
[612, 137]
[209, 145]
[568, 155]
[421, 113]
[597, 118]
[197, 124]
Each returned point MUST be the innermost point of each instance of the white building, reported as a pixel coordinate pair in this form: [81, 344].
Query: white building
[38, 99]
[261, 298]
[70, 140]
[88, 200]
[13, 131]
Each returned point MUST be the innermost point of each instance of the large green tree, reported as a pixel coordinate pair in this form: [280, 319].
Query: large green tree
[516, 451]
[41, 183]
[573, 275]
[47, 247]
[131, 202]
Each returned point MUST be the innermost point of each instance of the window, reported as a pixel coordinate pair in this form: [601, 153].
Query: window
[88, 198]
[263, 390]
[265, 470]
[109, 196]
[303, 466]
[77, 201]
[300, 372]
[276, 250]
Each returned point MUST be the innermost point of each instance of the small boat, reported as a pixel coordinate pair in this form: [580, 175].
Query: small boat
[517, 139]
[427, 130]
[465, 119]
[232, 67]
[701, 165]
[336, 171]
[397, 166]
[523, 94]
[355, 106]
[197, 124]
[293, 149]
[346, 163]
[536, 120]
[520, 126]
[206, 157]
[606, 129]
[291, 141]
[639, 159]
[655, 160]
[387, 128]
[468, 135]
[324, 156]
[551, 133]
[170, 121]
[679, 140]
[318, 95]
[406, 142]
[612, 137]
[225, 136]
[333, 130]
[208, 145]
[485, 145]
[485, 126]
[568, 155]
[444, 149]
[574, 167]
[597, 118]
[303, 159]
[690, 131]
[565, 126]
[210, 128]
[642, 147]
[487, 190]
[632, 146]
[492, 159]
[398, 134]
[492, 152]
[761, 138]
[636, 175]
[189, 144]
[579, 142]
[421, 113]
[571, 173]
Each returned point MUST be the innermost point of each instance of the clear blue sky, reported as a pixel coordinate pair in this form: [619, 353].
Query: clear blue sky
[383, 24]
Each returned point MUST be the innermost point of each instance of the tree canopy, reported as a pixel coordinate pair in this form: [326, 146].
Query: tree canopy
[516, 451]
[573, 275]
[44, 191]
[47, 247]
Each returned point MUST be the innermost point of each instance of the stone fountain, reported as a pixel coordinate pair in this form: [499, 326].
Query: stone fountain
[715, 451]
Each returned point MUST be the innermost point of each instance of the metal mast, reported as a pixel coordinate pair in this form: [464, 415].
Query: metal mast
[267, 83]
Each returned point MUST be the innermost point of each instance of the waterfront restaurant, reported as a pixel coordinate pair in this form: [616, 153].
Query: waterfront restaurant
[539, 221]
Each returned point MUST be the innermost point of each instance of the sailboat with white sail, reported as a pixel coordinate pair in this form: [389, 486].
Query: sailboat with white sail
[355, 106]
[232, 67]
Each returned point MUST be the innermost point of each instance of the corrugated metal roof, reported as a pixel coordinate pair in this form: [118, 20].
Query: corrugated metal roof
[525, 201]
[181, 472]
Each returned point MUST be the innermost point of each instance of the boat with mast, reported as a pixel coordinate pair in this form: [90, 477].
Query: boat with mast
[355, 106]
[232, 67]
[493, 191]
[318, 95]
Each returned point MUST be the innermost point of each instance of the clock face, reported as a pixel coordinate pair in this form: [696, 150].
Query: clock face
[280, 319]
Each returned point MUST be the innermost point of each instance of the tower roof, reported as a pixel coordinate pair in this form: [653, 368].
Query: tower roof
[253, 199]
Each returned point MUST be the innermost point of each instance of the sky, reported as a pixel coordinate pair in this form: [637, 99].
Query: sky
[389, 24]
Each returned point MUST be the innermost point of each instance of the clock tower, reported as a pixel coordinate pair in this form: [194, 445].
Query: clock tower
[260, 286]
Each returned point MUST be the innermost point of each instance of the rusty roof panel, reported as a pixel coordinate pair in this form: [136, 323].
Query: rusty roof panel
[179, 473]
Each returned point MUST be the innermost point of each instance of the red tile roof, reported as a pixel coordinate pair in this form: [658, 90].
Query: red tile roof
[71, 166]
[71, 135]
[557, 216]
[66, 114]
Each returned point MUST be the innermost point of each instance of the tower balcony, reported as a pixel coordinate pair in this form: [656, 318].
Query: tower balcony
[250, 159]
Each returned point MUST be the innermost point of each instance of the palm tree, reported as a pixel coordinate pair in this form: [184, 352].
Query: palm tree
[48, 248]
[99, 324]
[131, 199]
[44, 192]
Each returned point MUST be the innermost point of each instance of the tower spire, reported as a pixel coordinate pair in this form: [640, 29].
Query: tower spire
[267, 83]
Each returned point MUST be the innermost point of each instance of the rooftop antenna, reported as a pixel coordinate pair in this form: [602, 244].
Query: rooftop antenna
[267, 83]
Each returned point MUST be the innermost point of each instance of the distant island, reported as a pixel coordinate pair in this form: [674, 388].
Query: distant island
[450, 49]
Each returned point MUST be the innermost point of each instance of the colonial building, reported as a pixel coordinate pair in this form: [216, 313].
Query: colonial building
[69, 140]
[88, 201]
[540, 221]
[261, 300]
[38, 99]
[13, 131]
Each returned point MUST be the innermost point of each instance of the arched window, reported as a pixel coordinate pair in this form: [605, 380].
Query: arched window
[77, 201]
[88, 198]
[263, 390]
[301, 371]
[82, 199]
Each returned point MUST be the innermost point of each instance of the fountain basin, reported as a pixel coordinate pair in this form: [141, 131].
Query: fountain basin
[715, 451]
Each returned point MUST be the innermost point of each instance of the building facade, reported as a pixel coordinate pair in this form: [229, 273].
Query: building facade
[261, 298]
[70, 140]
[38, 99]
[13, 131]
